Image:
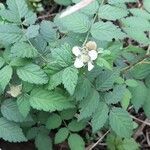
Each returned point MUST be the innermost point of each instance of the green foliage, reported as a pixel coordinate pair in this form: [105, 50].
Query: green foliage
[5, 75]
[112, 12]
[10, 111]
[67, 79]
[100, 117]
[54, 121]
[106, 31]
[115, 142]
[89, 105]
[121, 122]
[23, 50]
[33, 74]
[139, 98]
[49, 101]
[76, 126]
[10, 131]
[61, 135]
[70, 78]
[75, 142]
[23, 104]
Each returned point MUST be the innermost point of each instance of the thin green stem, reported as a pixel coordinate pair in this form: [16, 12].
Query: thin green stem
[94, 19]
[33, 46]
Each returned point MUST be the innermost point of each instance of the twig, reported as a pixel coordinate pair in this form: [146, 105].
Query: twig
[140, 129]
[147, 138]
[76, 7]
[46, 16]
[139, 120]
[134, 64]
[95, 144]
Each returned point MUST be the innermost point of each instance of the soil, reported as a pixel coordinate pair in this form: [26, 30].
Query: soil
[16, 146]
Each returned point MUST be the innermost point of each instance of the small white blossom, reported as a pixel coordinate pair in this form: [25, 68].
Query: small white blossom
[78, 63]
[85, 56]
[15, 90]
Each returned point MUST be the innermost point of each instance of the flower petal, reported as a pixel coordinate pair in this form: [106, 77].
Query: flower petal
[78, 63]
[90, 66]
[76, 51]
[93, 54]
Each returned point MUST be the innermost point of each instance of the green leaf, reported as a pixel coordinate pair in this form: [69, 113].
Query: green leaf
[30, 18]
[61, 135]
[100, 117]
[43, 142]
[131, 82]
[63, 2]
[146, 105]
[5, 76]
[76, 22]
[70, 78]
[121, 122]
[83, 88]
[10, 131]
[47, 31]
[76, 126]
[139, 36]
[120, 1]
[53, 122]
[89, 104]
[139, 95]
[32, 133]
[23, 104]
[140, 71]
[23, 49]
[103, 63]
[32, 31]
[112, 12]
[33, 74]
[10, 33]
[17, 10]
[62, 55]
[146, 5]
[106, 31]
[76, 142]
[137, 23]
[126, 99]
[68, 114]
[130, 144]
[56, 73]
[90, 9]
[19, 7]
[49, 101]
[2, 61]
[116, 95]
[106, 79]
[10, 111]
[140, 13]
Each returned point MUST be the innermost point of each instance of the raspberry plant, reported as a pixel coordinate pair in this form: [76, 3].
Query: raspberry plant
[61, 76]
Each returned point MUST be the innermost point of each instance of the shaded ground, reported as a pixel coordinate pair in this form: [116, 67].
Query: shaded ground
[16, 146]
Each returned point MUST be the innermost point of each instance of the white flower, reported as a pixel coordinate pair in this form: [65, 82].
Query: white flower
[93, 54]
[78, 63]
[84, 57]
[90, 66]
[15, 90]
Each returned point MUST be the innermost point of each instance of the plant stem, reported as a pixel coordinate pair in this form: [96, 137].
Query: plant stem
[88, 34]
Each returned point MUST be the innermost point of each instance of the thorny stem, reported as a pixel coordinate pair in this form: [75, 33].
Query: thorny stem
[95, 144]
[88, 34]
[33, 46]
[141, 61]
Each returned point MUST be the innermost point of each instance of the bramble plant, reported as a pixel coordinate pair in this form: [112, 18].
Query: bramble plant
[67, 79]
